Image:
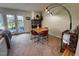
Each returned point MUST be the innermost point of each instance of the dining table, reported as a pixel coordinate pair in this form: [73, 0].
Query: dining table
[39, 32]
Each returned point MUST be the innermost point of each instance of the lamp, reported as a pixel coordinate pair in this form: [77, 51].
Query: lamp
[46, 9]
[52, 6]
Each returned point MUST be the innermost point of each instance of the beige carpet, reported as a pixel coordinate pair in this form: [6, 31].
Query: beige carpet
[23, 46]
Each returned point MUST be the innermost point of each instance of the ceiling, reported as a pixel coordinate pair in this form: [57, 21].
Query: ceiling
[25, 6]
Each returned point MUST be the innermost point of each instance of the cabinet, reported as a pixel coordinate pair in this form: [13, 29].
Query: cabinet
[69, 41]
[77, 49]
[35, 23]
[3, 47]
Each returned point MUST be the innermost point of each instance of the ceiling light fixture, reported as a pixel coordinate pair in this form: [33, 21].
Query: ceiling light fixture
[48, 12]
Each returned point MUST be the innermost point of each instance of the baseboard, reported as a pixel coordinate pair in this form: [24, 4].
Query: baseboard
[55, 36]
[29, 32]
[19, 33]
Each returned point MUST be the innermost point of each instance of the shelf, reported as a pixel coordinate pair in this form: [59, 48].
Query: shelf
[71, 43]
[35, 22]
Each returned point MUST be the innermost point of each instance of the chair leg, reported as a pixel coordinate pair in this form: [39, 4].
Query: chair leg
[46, 38]
[32, 37]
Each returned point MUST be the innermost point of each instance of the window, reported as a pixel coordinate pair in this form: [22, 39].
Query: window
[20, 23]
[11, 23]
[15, 25]
[1, 23]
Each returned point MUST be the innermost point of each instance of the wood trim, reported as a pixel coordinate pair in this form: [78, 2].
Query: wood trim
[19, 33]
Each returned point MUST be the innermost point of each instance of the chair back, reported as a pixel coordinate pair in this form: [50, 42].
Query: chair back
[34, 33]
[45, 33]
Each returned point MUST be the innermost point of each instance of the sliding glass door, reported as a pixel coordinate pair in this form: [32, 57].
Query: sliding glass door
[20, 23]
[11, 23]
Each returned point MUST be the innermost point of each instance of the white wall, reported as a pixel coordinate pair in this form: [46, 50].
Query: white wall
[77, 49]
[60, 20]
[34, 13]
[5, 11]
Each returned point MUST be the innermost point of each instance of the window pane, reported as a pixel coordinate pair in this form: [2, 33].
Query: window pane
[1, 23]
[11, 23]
[20, 23]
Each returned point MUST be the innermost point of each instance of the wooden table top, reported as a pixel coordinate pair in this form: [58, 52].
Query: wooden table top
[68, 52]
[38, 30]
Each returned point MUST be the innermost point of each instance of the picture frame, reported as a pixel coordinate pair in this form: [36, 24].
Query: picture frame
[27, 18]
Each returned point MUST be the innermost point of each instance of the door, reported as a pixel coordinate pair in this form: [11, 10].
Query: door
[11, 23]
[20, 24]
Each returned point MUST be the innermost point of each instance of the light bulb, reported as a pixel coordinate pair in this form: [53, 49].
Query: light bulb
[47, 11]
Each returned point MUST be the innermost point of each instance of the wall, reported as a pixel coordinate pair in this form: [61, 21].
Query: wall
[60, 20]
[5, 11]
[77, 49]
[27, 23]
[34, 13]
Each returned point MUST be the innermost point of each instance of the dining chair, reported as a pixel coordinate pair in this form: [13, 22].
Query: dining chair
[33, 34]
[45, 34]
